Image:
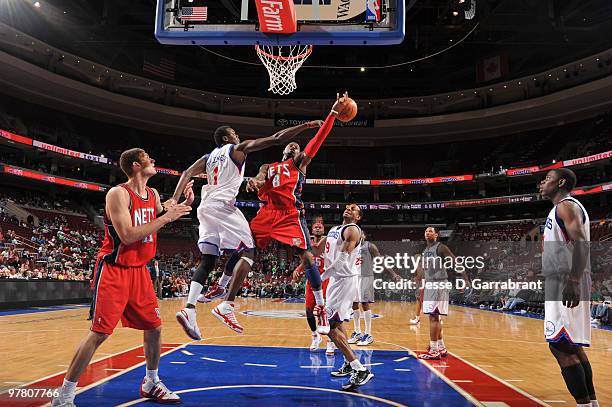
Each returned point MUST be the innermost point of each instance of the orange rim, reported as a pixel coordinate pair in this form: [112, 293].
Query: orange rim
[303, 55]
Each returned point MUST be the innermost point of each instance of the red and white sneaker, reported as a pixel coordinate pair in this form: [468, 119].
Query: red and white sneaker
[322, 322]
[443, 352]
[187, 319]
[214, 292]
[225, 314]
[158, 391]
[430, 355]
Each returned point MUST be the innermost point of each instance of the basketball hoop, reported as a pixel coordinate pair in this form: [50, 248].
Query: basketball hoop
[282, 62]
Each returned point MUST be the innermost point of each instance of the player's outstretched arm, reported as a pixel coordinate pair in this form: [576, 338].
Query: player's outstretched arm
[257, 181]
[197, 168]
[315, 143]
[241, 150]
[117, 207]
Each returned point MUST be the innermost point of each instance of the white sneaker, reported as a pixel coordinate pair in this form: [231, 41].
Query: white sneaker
[187, 319]
[225, 314]
[331, 348]
[316, 341]
[354, 337]
[158, 391]
[415, 321]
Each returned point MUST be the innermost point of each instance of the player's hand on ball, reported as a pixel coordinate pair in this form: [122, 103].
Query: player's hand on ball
[339, 101]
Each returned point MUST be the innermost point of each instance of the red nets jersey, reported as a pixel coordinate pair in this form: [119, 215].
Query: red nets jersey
[142, 210]
[283, 187]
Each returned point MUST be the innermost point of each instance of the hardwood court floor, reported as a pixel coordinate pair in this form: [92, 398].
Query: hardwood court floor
[510, 347]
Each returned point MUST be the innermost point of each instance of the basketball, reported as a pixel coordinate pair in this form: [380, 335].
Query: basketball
[347, 110]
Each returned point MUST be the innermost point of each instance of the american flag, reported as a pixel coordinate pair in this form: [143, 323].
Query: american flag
[158, 65]
[194, 13]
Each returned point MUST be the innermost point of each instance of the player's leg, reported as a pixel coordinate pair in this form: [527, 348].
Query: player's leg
[418, 307]
[80, 361]
[434, 332]
[224, 312]
[572, 371]
[351, 366]
[187, 317]
[357, 324]
[313, 276]
[588, 374]
[366, 338]
[219, 289]
[111, 291]
[310, 318]
[152, 387]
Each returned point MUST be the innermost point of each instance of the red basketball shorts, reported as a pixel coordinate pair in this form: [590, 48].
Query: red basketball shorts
[310, 299]
[124, 293]
[285, 226]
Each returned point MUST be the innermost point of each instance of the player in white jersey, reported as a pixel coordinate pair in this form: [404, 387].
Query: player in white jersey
[566, 266]
[222, 225]
[435, 296]
[342, 264]
[365, 293]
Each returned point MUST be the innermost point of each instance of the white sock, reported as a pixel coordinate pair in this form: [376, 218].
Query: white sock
[68, 390]
[319, 297]
[367, 315]
[152, 375]
[433, 345]
[225, 279]
[595, 403]
[441, 344]
[357, 320]
[584, 405]
[194, 290]
[356, 364]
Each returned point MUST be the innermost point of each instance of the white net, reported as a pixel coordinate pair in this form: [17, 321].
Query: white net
[282, 62]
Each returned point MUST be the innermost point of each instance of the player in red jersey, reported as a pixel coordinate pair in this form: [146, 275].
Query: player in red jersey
[318, 246]
[281, 217]
[123, 288]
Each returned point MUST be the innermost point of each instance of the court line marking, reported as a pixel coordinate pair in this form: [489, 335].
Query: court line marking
[64, 371]
[403, 370]
[463, 381]
[523, 392]
[259, 364]
[178, 363]
[513, 380]
[445, 379]
[274, 386]
[186, 352]
[318, 367]
[402, 359]
[373, 364]
[213, 360]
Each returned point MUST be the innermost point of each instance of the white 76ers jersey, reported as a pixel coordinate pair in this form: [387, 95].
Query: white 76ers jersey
[224, 178]
[333, 248]
[556, 247]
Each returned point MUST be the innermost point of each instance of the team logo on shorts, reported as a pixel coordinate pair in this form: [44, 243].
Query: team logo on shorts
[157, 312]
[549, 328]
[297, 241]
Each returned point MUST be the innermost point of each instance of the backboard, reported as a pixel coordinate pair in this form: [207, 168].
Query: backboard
[319, 22]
